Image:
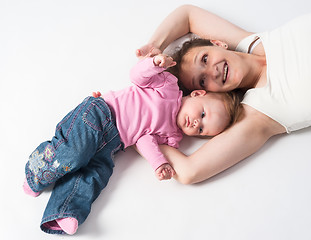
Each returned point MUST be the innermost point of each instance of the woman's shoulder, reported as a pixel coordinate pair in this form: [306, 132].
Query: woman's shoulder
[250, 43]
[256, 120]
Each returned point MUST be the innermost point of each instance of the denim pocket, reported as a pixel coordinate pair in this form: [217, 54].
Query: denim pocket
[97, 115]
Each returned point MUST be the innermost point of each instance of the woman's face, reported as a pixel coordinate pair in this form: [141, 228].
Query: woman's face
[212, 68]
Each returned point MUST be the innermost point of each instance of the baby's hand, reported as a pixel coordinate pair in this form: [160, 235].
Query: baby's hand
[147, 50]
[164, 61]
[165, 172]
[96, 94]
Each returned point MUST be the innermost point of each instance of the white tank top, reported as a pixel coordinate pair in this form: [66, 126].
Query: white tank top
[286, 98]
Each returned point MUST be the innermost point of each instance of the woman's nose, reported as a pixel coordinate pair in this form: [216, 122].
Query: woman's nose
[212, 71]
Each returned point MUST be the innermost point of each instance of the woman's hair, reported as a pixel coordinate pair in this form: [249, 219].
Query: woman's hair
[179, 55]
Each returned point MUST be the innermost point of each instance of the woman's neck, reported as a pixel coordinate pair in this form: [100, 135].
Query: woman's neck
[256, 76]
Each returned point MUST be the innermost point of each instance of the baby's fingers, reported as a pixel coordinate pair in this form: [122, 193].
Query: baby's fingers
[168, 62]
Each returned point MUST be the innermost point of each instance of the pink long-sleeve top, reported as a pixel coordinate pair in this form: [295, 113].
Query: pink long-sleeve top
[146, 112]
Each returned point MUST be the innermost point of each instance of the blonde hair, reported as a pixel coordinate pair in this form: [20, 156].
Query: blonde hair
[232, 101]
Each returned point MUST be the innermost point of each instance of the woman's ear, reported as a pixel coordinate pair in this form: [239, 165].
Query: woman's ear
[196, 93]
[219, 43]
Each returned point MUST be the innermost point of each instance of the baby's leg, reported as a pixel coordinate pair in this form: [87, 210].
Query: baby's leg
[70, 149]
[73, 195]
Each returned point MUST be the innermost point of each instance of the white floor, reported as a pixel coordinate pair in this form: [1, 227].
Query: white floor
[54, 53]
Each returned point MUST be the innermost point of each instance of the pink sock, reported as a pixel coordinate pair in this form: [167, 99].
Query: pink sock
[69, 225]
[29, 191]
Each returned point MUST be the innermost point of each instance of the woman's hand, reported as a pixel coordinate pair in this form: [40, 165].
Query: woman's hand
[147, 50]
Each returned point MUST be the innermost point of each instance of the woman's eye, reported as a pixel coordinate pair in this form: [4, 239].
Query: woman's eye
[204, 58]
[203, 114]
[200, 130]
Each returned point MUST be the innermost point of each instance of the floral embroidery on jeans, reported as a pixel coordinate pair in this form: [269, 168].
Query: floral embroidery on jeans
[35, 162]
[49, 153]
[48, 175]
[67, 168]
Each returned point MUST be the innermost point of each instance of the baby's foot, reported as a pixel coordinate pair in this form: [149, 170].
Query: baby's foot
[29, 191]
[68, 225]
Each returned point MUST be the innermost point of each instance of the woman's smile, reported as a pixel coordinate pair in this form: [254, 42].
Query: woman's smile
[215, 72]
[225, 74]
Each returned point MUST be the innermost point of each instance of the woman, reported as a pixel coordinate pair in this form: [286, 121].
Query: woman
[276, 75]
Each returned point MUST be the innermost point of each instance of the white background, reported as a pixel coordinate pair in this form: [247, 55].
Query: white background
[55, 53]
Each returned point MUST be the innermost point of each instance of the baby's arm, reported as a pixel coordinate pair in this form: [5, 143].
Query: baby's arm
[148, 147]
[148, 71]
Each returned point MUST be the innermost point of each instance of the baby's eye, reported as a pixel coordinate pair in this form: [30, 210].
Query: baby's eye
[200, 130]
[204, 58]
[203, 115]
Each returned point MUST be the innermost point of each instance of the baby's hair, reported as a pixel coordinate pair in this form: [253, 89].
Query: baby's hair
[232, 101]
[179, 55]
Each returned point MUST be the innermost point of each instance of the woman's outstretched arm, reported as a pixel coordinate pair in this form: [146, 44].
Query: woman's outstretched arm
[224, 150]
[192, 19]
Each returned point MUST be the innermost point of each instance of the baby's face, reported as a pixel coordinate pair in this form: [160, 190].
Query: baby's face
[203, 114]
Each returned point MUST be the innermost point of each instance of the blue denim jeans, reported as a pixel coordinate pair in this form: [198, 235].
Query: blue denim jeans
[79, 158]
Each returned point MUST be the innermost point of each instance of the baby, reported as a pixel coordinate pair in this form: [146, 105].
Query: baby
[151, 112]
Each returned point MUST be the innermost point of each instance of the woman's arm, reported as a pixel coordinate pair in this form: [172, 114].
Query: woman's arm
[224, 150]
[188, 18]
